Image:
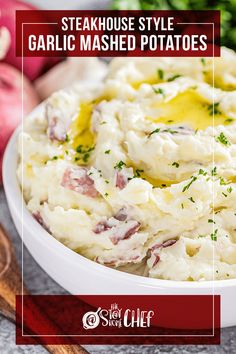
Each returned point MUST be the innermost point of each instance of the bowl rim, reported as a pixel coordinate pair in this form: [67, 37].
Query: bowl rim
[15, 201]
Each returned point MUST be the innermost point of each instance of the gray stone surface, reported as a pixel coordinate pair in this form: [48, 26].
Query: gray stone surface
[40, 283]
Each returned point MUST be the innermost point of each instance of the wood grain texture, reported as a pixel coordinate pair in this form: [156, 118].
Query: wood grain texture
[11, 285]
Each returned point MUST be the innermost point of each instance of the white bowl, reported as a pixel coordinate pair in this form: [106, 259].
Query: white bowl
[79, 275]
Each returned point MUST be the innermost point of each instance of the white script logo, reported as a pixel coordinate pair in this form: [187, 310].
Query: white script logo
[115, 317]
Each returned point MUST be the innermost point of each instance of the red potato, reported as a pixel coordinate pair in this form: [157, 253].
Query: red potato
[11, 103]
[5, 41]
[33, 67]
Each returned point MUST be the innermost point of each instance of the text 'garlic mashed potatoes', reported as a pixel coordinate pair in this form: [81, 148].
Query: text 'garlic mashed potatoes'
[139, 171]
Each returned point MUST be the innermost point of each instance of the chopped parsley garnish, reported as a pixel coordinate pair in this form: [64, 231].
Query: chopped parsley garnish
[174, 77]
[182, 205]
[171, 131]
[106, 181]
[213, 108]
[55, 158]
[158, 130]
[154, 131]
[138, 173]
[222, 139]
[222, 181]
[211, 221]
[176, 164]
[103, 122]
[81, 149]
[107, 151]
[158, 90]
[120, 165]
[225, 195]
[214, 235]
[202, 172]
[160, 74]
[193, 179]
[203, 61]
[83, 152]
[86, 157]
[229, 190]
[229, 120]
[106, 194]
[67, 138]
[191, 199]
[214, 171]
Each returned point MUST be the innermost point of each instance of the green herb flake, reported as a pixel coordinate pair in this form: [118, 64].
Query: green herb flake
[193, 179]
[159, 91]
[222, 139]
[83, 152]
[203, 61]
[202, 172]
[169, 130]
[160, 74]
[86, 157]
[107, 152]
[211, 221]
[213, 109]
[138, 173]
[214, 235]
[174, 77]
[228, 120]
[222, 181]
[120, 165]
[176, 164]
[191, 199]
[229, 190]
[214, 171]
[153, 132]
[55, 158]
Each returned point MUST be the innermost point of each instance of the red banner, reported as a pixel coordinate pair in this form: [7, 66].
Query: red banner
[118, 319]
[118, 33]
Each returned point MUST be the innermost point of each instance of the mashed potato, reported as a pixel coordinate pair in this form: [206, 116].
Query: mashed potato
[138, 172]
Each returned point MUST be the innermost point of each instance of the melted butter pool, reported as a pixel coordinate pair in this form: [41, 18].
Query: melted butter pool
[189, 108]
[80, 132]
[157, 182]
